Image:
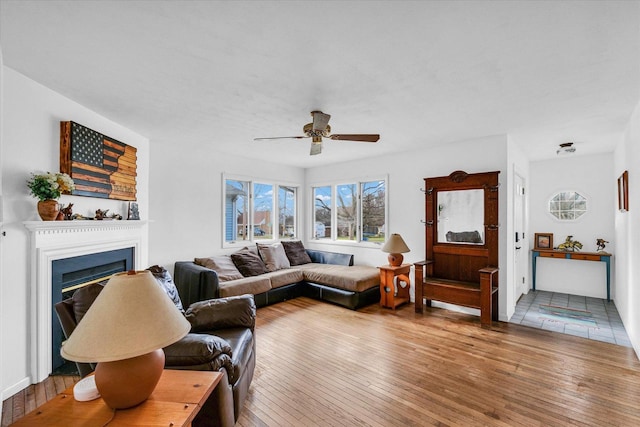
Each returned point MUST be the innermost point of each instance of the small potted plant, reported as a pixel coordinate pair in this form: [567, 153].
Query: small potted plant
[47, 188]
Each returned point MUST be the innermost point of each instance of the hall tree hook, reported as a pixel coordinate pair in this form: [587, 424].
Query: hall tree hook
[429, 191]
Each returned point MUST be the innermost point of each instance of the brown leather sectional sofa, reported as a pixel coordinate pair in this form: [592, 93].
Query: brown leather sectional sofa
[330, 276]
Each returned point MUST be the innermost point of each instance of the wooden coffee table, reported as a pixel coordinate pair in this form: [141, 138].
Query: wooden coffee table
[176, 401]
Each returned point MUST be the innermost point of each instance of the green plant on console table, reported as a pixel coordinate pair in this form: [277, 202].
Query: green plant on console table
[570, 245]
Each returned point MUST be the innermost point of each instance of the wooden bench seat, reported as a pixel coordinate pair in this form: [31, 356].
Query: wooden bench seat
[482, 295]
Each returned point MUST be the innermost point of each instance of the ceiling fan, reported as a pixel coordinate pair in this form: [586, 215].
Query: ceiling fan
[320, 128]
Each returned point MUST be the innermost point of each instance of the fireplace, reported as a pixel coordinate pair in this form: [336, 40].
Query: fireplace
[55, 241]
[71, 274]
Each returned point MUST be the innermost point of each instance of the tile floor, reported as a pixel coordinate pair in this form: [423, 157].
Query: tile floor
[609, 325]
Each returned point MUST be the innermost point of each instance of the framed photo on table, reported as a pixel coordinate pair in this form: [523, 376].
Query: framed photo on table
[543, 241]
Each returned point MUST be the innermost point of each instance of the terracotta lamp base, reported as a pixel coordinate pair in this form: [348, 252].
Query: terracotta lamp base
[395, 260]
[129, 382]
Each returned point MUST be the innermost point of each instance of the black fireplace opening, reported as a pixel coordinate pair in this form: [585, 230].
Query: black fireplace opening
[71, 274]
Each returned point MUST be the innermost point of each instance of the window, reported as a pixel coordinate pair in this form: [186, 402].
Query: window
[236, 210]
[568, 205]
[262, 211]
[373, 211]
[322, 213]
[347, 211]
[250, 212]
[353, 212]
[286, 211]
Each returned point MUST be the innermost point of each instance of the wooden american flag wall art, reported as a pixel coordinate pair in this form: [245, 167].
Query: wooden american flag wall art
[99, 165]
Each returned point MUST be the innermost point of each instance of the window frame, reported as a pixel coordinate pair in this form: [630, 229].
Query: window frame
[587, 200]
[333, 238]
[275, 210]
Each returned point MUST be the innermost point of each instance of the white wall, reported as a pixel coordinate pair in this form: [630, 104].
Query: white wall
[1, 227]
[406, 172]
[591, 177]
[627, 232]
[186, 199]
[31, 139]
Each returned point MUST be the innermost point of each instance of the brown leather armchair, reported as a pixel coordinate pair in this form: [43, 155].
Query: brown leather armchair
[221, 339]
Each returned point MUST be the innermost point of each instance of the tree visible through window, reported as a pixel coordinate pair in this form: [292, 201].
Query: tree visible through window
[262, 223]
[322, 212]
[286, 211]
[347, 204]
[373, 211]
[358, 211]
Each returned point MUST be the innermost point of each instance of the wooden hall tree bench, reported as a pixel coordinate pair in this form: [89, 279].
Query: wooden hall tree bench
[461, 265]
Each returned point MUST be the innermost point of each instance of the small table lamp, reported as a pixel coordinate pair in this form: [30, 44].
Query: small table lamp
[125, 330]
[395, 246]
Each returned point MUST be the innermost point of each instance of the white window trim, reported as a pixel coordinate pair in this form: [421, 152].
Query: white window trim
[568, 190]
[275, 217]
[334, 212]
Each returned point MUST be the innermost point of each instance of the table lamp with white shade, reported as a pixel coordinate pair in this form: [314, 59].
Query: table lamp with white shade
[125, 330]
[395, 246]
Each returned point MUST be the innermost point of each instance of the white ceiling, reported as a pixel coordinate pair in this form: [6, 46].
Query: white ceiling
[214, 75]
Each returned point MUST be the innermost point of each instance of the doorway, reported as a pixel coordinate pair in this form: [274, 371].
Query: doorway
[521, 249]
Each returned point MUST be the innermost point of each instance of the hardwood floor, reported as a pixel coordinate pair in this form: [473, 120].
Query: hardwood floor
[33, 396]
[319, 364]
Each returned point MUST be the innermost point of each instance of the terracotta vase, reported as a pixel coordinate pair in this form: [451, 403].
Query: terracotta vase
[48, 209]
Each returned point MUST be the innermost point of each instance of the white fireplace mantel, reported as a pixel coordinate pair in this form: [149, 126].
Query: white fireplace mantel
[54, 240]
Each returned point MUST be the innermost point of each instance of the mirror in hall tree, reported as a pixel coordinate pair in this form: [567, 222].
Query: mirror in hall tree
[461, 216]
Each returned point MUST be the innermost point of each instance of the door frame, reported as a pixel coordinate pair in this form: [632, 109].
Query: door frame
[520, 287]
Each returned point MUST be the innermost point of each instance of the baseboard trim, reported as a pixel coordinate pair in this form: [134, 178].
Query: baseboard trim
[10, 391]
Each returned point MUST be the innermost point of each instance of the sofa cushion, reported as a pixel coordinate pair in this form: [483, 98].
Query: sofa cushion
[355, 278]
[273, 256]
[247, 285]
[223, 266]
[195, 349]
[248, 263]
[295, 252]
[284, 277]
[165, 281]
[84, 297]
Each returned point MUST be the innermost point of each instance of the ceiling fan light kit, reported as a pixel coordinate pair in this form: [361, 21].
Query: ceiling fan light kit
[320, 128]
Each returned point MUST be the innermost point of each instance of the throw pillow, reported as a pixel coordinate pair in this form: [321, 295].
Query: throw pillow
[248, 263]
[223, 266]
[165, 281]
[274, 256]
[295, 252]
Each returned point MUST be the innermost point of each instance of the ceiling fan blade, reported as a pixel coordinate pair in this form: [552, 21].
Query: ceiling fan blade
[356, 137]
[316, 148]
[320, 120]
[281, 137]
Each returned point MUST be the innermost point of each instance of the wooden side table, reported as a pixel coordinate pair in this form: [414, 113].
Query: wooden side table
[176, 401]
[389, 297]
